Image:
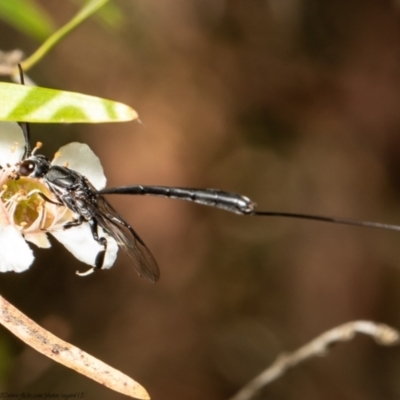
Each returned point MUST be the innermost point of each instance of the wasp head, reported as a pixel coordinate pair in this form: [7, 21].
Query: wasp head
[35, 166]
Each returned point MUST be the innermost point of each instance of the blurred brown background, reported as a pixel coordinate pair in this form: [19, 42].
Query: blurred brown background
[293, 103]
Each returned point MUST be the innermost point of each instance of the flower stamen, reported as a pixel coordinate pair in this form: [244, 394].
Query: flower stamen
[37, 147]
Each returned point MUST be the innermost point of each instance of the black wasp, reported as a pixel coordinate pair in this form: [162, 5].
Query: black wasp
[74, 191]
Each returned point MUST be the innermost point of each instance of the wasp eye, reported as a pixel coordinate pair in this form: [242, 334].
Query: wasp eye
[26, 168]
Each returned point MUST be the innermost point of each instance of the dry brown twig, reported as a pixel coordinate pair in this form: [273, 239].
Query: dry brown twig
[51, 346]
[384, 335]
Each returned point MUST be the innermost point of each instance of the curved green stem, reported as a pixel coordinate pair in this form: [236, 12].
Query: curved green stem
[88, 10]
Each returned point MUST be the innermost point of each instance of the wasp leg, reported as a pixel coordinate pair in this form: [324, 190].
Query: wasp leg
[45, 198]
[100, 240]
[75, 222]
[99, 262]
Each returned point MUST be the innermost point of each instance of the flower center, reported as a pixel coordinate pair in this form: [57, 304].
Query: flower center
[25, 205]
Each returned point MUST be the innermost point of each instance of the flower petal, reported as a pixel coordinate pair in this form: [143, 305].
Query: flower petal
[39, 239]
[12, 143]
[79, 241]
[80, 158]
[16, 255]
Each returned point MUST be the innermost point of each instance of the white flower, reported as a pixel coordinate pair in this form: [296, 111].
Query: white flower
[26, 216]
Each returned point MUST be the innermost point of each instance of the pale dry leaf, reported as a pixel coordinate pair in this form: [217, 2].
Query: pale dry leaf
[64, 353]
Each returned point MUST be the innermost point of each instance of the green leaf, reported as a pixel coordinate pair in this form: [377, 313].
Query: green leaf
[27, 17]
[36, 104]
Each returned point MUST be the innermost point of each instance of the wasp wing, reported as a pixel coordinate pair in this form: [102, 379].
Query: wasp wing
[127, 239]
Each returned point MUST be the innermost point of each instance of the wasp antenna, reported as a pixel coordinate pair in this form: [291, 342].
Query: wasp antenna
[24, 125]
[26, 131]
[21, 74]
